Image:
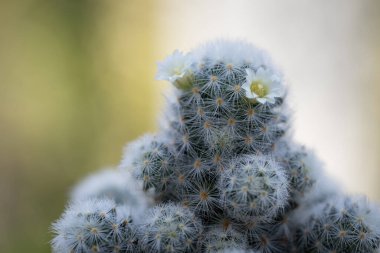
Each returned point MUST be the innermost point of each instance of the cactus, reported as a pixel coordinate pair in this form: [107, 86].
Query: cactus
[112, 184]
[218, 239]
[340, 225]
[95, 225]
[254, 187]
[170, 228]
[152, 163]
[222, 173]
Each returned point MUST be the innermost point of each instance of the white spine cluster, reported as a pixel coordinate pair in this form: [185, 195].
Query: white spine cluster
[254, 187]
[170, 228]
[95, 225]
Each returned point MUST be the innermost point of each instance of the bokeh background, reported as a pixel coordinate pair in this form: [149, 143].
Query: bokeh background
[77, 83]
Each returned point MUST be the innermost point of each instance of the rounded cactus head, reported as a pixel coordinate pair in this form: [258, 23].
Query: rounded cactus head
[95, 225]
[341, 224]
[151, 161]
[220, 239]
[170, 228]
[112, 184]
[254, 186]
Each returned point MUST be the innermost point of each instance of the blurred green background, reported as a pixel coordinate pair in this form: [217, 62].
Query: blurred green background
[77, 83]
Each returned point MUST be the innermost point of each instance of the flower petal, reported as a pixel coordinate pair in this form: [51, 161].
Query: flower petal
[262, 100]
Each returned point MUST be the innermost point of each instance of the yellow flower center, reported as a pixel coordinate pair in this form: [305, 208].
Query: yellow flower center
[259, 88]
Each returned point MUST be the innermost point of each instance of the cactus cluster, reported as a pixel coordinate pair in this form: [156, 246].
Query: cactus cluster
[221, 175]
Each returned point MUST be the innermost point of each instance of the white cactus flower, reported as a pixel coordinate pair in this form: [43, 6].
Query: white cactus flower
[263, 86]
[174, 67]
